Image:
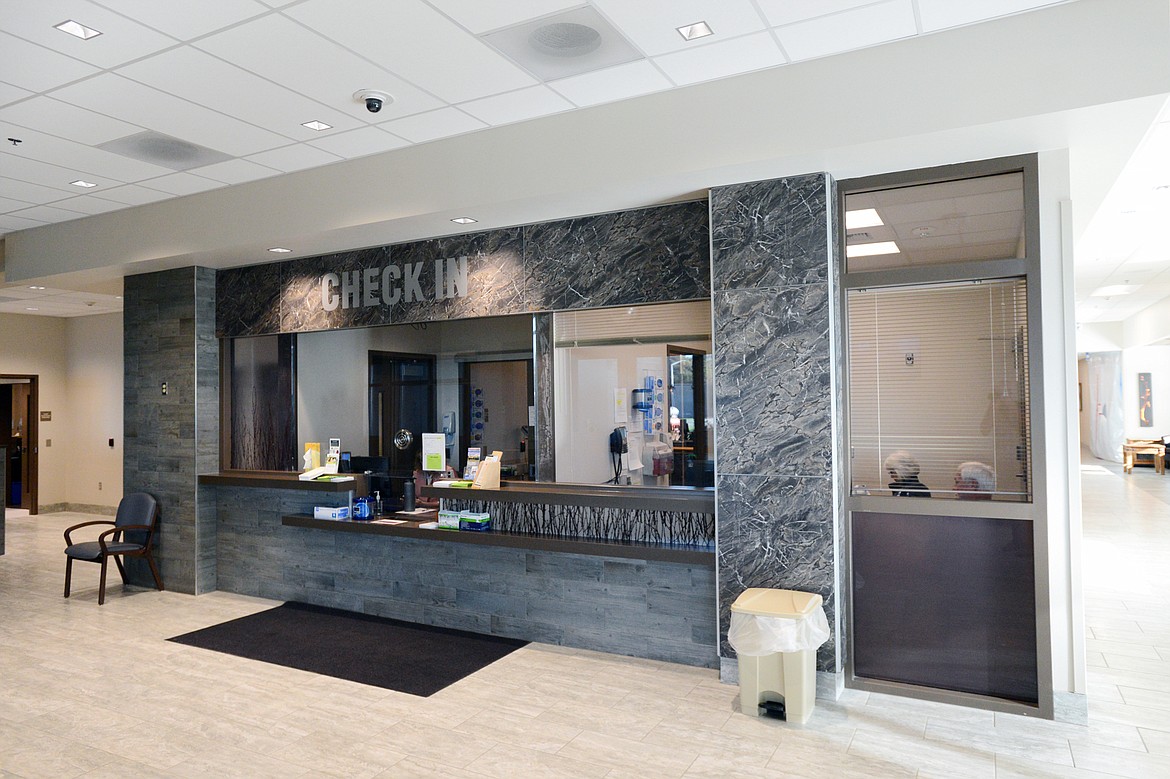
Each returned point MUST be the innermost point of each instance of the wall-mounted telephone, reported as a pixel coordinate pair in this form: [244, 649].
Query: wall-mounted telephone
[618, 445]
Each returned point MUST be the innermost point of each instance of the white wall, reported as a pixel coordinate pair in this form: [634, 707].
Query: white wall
[1154, 360]
[79, 364]
[94, 379]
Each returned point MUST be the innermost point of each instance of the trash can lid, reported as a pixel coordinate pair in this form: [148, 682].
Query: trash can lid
[776, 603]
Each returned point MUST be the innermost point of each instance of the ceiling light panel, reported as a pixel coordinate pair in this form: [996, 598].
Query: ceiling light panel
[871, 249]
[286, 53]
[693, 32]
[855, 29]
[652, 25]
[208, 81]
[35, 68]
[862, 217]
[83, 184]
[77, 30]
[722, 58]
[416, 42]
[170, 115]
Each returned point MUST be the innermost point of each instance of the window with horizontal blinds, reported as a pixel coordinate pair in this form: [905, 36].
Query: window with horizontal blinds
[938, 383]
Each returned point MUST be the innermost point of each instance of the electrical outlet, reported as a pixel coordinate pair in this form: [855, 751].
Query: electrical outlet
[48, 442]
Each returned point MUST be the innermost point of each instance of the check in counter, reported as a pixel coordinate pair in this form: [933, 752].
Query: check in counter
[630, 581]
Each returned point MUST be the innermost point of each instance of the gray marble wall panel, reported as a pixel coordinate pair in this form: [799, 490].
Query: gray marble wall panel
[664, 527]
[248, 300]
[546, 443]
[206, 422]
[643, 256]
[623, 258]
[776, 522]
[657, 610]
[168, 334]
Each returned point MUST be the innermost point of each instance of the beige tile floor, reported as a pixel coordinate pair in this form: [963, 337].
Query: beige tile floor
[98, 692]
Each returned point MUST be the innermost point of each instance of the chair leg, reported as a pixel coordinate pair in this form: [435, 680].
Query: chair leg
[154, 570]
[121, 570]
[68, 574]
[102, 585]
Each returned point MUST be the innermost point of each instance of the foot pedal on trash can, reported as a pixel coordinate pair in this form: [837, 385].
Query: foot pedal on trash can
[774, 709]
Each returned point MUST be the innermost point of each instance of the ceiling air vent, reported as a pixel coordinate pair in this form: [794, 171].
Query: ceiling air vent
[564, 44]
[858, 235]
[159, 149]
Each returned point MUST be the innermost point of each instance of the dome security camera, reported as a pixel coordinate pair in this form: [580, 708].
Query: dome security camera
[373, 98]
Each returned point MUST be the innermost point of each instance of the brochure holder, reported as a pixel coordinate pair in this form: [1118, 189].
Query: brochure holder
[488, 476]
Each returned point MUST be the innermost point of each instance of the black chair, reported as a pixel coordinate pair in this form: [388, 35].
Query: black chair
[131, 536]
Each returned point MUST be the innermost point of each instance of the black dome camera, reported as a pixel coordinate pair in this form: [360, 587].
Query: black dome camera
[373, 99]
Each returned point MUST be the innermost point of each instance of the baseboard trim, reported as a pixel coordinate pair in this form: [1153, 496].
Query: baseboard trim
[79, 508]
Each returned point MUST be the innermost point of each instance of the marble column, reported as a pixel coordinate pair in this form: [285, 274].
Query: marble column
[172, 436]
[774, 269]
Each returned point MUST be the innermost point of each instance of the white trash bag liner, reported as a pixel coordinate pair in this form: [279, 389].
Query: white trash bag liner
[751, 635]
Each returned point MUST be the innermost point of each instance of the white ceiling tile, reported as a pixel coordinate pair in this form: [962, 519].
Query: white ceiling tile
[10, 94]
[235, 171]
[725, 58]
[8, 204]
[89, 204]
[66, 121]
[848, 30]
[8, 222]
[652, 25]
[182, 184]
[48, 214]
[283, 51]
[142, 105]
[780, 12]
[20, 167]
[940, 14]
[359, 143]
[36, 68]
[416, 42]
[210, 82]
[296, 157]
[433, 125]
[187, 20]
[480, 17]
[122, 38]
[616, 83]
[27, 192]
[135, 195]
[517, 106]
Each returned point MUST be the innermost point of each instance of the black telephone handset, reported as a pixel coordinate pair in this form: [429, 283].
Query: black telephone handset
[617, 441]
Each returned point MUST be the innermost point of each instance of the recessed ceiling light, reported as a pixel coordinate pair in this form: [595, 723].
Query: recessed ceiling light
[1115, 289]
[117, 297]
[315, 125]
[83, 184]
[31, 308]
[34, 286]
[870, 249]
[690, 32]
[279, 250]
[464, 220]
[862, 217]
[77, 29]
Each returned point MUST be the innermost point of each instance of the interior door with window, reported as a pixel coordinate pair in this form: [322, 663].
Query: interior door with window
[402, 397]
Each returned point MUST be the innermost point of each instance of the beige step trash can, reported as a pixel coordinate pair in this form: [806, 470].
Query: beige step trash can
[776, 633]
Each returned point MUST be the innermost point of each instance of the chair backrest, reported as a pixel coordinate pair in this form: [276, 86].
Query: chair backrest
[137, 508]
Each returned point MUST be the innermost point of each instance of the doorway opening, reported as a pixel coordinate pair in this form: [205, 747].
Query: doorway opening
[402, 398]
[19, 415]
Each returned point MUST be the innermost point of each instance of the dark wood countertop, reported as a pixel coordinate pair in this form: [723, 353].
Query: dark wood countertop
[684, 499]
[674, 553]
[282, 480]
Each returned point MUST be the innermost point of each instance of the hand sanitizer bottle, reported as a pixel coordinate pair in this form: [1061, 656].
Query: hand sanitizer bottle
[377, 504]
